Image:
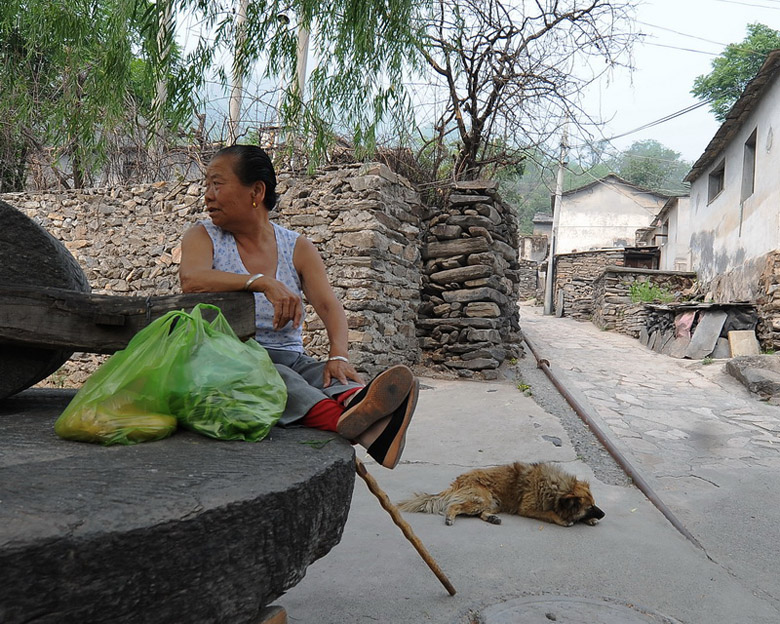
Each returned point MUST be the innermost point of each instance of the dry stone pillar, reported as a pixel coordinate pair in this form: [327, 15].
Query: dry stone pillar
[468, 318]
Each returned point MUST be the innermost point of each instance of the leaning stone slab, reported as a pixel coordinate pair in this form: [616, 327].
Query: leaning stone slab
[743, 342]
[187, 529]
[722, 349]
[679, 347]
[706, 334]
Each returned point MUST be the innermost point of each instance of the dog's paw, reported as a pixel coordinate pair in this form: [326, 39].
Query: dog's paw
[493, 519]
[449, 521]
[592, 521]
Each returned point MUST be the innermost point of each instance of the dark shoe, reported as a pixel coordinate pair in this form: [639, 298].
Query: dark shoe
[387, 448]
[380, 398]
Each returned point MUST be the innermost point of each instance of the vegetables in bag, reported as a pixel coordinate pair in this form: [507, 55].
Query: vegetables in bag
[125, 401]
[222, 387]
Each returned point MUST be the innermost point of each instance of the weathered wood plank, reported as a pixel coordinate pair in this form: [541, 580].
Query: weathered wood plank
[58, 318]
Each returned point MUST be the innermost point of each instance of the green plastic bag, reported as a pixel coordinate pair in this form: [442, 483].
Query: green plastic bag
[180, 369]
[125, 401]
[222, 387]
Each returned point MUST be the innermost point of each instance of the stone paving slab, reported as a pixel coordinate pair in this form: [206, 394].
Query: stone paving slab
[710, 448]
[632, 557]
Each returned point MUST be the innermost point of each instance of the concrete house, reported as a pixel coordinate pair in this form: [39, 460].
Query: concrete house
[735, 194]
[670, 231]
[605, 214]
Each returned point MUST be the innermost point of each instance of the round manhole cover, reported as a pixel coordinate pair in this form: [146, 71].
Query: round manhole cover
[563, 610]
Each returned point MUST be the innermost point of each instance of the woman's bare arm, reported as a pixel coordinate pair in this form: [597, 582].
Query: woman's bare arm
[318, 291]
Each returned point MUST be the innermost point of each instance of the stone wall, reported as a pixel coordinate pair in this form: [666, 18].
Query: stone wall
[370, 227]
[365, 220]
[756, 281]
[469, 316]
[574, 277]
[528, 286]
[613, 308]
[768, 304]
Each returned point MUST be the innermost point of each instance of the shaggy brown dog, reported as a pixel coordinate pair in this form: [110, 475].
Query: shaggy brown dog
[542, 491]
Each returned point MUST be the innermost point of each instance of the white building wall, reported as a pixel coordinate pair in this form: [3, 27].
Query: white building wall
[604, 215]
[729, 232]
[676, 247]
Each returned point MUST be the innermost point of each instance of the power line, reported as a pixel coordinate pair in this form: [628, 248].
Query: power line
[669, 117]
[671, 47]
[677, 32]
[750, 4]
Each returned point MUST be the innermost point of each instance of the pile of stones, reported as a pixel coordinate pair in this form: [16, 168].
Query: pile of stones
[574, 276]
[469, 317]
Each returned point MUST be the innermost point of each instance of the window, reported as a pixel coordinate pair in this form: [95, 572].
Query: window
[717, 180]
[749, 167]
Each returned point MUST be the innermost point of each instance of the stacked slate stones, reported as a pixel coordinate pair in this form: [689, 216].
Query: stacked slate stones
[468, 318]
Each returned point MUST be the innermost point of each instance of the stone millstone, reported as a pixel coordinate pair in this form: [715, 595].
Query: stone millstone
[30, 256]
[187, 529]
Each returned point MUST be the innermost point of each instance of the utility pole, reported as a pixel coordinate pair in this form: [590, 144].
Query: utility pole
[549, 280]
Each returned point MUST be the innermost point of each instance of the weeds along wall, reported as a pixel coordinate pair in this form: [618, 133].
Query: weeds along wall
[367, 222]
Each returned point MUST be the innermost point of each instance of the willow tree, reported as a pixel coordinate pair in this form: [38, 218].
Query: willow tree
[74, 76]
[360, 50]
[512, 72]
[70, 80]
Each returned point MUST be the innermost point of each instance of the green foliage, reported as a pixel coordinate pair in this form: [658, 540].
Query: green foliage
[361, 47]
[71, 78]
[653, 166]
[732, 70]
[648, 164]
[646, 291]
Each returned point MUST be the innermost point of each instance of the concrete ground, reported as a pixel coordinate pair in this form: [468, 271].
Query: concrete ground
[708, 448]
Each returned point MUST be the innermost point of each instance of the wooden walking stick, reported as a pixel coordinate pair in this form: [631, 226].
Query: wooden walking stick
[402, 524]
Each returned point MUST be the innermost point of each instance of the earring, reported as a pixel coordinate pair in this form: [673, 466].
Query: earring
[254, 204]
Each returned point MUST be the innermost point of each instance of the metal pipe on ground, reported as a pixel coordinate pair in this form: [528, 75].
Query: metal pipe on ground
[602, 437]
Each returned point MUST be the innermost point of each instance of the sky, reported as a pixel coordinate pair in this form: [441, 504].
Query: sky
[661, 83]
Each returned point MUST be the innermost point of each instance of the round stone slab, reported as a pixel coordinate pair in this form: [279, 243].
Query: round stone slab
[30, 256]
[565, 610]
[186, 529]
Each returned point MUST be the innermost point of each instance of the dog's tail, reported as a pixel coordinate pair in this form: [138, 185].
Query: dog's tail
[425, 503]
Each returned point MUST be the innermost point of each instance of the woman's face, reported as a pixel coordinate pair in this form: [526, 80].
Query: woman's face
[228, 201]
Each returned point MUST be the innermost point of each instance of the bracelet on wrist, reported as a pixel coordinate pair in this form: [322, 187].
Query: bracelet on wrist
[338, 358]
[254, 277]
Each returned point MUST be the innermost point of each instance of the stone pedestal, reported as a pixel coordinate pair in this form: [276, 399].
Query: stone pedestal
[187, 529]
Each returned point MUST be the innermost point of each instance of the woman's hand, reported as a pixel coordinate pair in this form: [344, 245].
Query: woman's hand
[287, 305]
[338, 370]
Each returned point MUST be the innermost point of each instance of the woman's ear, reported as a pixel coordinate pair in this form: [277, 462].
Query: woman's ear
[258, 193]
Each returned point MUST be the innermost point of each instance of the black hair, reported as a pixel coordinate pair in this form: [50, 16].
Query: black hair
[252, 164]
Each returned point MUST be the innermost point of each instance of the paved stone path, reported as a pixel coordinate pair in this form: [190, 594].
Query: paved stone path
[709, 448]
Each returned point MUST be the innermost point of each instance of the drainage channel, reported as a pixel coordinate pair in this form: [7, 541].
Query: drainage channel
[622, 461]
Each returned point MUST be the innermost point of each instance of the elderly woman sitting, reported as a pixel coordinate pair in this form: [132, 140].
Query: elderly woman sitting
[241, 249]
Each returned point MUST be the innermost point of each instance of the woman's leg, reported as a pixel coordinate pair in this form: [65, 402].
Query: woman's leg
[377, 416]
